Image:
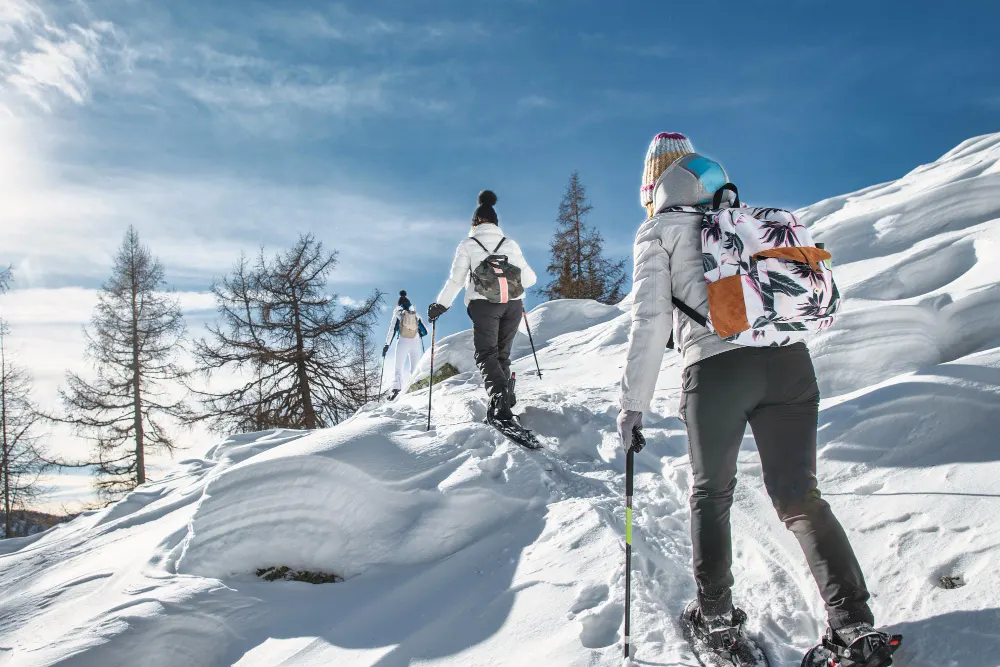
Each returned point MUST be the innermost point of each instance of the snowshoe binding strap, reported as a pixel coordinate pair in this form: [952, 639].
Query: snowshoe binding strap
[726, 637]
[848, 656]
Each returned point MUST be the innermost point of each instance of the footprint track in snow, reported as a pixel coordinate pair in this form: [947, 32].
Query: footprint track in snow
[600, 629]
[588, 598]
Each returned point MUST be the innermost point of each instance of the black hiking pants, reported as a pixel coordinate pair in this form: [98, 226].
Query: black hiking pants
[494, 326]
[775, 391]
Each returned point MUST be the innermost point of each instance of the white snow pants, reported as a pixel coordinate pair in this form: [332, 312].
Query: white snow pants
[407, 350]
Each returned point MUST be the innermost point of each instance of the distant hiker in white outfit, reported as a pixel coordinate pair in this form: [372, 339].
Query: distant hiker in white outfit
[410, 329]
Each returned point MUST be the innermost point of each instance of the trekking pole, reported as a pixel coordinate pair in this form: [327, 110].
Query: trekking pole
[638, 442]
[430, 387]
[380, 375]
[382, 372]
[532, 341]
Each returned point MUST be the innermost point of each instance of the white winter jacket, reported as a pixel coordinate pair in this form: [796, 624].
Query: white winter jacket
[469, 255]
[668, 263]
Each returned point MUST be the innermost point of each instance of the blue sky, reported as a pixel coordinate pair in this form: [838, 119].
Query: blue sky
[221, 126]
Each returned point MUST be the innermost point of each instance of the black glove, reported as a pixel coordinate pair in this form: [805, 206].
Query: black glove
[435, 310]
[385, 350]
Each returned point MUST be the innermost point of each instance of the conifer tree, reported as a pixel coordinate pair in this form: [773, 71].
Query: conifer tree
[577, 262]
[132, 342]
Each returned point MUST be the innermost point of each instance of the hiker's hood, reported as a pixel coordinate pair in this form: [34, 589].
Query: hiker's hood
[691, 180]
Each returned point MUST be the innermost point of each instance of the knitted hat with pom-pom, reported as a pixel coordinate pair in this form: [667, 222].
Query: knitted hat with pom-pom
[484, 212]
[403, 302]
[664, 150]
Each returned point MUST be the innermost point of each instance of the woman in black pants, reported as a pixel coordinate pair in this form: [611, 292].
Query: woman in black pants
[494, 324]
[725, 387]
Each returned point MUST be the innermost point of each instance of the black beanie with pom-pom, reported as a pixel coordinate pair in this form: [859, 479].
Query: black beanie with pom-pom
[485, 212]
[403, 301]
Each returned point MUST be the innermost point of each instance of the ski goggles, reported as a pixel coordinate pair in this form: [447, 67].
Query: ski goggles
[709, 173]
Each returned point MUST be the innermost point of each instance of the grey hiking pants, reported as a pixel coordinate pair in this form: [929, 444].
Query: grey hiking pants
[775, 390]
[494, 326]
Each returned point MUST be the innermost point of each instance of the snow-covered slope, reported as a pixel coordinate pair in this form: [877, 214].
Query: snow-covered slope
[460, 549]
[919, 259]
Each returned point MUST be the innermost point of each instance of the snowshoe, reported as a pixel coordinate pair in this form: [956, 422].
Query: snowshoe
[721, 641]
[858, 645]
[516, 433]
[502, 419]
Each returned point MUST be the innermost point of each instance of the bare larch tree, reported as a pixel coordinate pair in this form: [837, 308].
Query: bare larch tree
[21, 459]
[577, 260]
[133, 342]
[366, 368]
[294, 357]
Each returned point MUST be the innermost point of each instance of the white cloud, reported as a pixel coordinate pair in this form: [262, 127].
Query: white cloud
[340, 23]
[60, 231]
[254, 83]
[44, 62]
[242, 90]
[65, 492]
[348, 302]
[535, 102]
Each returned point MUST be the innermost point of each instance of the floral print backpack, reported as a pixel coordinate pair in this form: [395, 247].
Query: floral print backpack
[768, 283]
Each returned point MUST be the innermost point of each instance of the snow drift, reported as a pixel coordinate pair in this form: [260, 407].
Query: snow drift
[461, 549]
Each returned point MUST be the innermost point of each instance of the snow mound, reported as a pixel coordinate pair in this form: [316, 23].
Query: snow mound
[460, 548]
[915, 259]
[347, 523]
[551, 320]
[456, 349]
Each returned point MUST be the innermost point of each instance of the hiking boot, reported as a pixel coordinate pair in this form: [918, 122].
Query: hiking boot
[511, 396]
[394, 394]
[499, 410]
[719, 633]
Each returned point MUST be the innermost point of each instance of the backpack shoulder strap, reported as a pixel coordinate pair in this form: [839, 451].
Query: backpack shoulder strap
[689, 311]
[485, 249]
[499, 244]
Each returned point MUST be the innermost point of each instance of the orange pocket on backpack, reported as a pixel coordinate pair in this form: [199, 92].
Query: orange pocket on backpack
[726, 306]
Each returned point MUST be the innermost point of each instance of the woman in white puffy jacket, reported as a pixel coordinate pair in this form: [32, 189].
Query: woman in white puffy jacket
[494, 324]
[725, 387]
